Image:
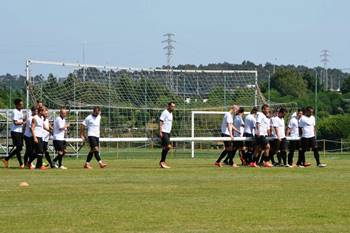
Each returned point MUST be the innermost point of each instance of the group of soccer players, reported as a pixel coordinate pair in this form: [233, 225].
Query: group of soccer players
[35, 130]
[266, 134]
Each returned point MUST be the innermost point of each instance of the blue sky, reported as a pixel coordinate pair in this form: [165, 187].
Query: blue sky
[129, 33]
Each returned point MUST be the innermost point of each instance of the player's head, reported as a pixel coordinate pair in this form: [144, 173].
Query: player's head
[96, 111]
[45, 112]
[34, 111]
[18, 103]
[265, 109]
[39, 104]
[234, 109]
[309, 111]
[171, 106]
[282, 112]
[40, 111]
[254, 110]
[299, 113]
[240, 111]
[63, 111]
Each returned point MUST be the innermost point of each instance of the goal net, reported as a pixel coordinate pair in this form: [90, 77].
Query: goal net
[132, 98]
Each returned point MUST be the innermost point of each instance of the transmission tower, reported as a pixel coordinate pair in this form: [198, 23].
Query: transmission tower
[325, 60]
[169, 52]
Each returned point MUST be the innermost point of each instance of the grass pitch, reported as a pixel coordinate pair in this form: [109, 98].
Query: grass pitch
[134, 195]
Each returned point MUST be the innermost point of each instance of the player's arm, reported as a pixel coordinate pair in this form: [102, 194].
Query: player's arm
[82, 131]
[257, 127]
[287, 131]
[161, 123]
[230, 129]
[277, 133]
[32, 128]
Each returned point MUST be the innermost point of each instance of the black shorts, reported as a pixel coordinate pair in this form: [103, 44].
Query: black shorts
[165, 140]
[249, 144]
[261, 141]
[237, 144]
[94, 142]
[17, 140]
[38, 147]
[227, 144]
[307, 143]
[59, 145]
[277, 145]
[294, 145]
[29, 144]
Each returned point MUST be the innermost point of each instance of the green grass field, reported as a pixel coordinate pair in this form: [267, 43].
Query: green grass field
[134, 195]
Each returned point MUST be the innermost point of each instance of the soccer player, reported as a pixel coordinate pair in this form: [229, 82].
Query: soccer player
[59, 129]
[165, 124]
[227, 130]
[46, 136]
[16, 134]
[37, 129]
[238, 124]
[293, 131]
[249, 131]
[92, 123]
[279, 143]
[262, 131]
[307, 126]
[28, 138]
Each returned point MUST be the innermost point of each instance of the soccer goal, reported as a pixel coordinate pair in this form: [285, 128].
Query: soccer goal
[133, 98]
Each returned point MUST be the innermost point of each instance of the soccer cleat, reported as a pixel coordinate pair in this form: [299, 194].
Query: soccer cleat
[322, 165]
[218, 164]
[6, 163]
[252, 164]
[102, 165]
[63, 167]
[164, 165]
[307, 164]
[21, 166]
[87, 166]
[43, 168]
[234, 165]
[267, 164]
[300, 166]
[290, 166]
[30, 166]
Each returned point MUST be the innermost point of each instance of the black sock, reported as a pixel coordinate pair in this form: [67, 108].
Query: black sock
[279, 157]
[222, 155]
[317, 156]
[19, 158]
[48, 158]
[290, 157]
[39, 161]
[97, 156]
[272, 158]
[164, 154]
[89, 157]
[231, 155]
[284, 157]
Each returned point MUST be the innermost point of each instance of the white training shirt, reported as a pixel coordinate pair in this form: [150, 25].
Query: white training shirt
[17, 115]
[308, 126]
[279, 124]
[46, 134]
[249, 124]
[264, 124]
[58, 128]
[39, 126]
[228, 119]
[93, 125]
[293, 125]
[167, 118]
[28, 132]
[239, 124]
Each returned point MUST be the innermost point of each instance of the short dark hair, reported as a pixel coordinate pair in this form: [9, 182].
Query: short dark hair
[282, 110]
[17, 101]
[241, 110]
[300, 110]
[254, 110]
[96, 108]
[264, 106]
[170, 103]
[309, 108]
